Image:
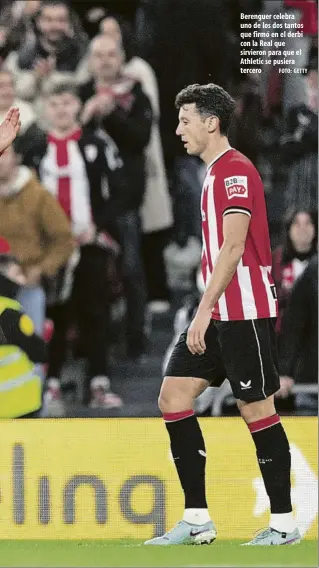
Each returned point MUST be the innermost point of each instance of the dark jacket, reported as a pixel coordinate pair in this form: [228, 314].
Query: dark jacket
[299, 342]
[299, 153]
[130, 129]
[301, 136]
[105, 173]
[68, 55]
[11, 330]
[280, 266]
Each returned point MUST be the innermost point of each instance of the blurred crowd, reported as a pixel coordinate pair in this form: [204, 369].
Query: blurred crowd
[98, 200]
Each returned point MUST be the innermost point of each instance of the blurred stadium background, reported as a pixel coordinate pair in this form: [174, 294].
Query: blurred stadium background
[90, 478]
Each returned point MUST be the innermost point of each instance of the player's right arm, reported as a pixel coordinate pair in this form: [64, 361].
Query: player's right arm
[235, 195]
[18, 329]
[235, 229]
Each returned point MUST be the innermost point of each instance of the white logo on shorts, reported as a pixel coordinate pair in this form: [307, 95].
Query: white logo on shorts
[245, 386]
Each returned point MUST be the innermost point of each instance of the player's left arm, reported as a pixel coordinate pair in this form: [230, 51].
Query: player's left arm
[235, 229]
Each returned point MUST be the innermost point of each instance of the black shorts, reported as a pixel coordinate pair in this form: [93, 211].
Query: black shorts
[244, 352]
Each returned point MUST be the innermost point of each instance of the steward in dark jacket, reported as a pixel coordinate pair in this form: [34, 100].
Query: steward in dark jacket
[299, 342]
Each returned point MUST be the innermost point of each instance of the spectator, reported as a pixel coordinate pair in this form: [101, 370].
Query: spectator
[17, 25]
[116, 106]
[82, 173]
[185, 43]
[8, 100]
[9, 128]
[299, 146]
[245, 132]
[156, 211]
[290, 260]
[57, 50]
[299, 345]
[37, 230]
[20, 347]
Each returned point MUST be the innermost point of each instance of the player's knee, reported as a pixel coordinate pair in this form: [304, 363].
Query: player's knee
[174, 399]
[167, 402]
[253, 411]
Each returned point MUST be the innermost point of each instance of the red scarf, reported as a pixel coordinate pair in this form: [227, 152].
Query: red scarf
[64, 183]
[288, 276]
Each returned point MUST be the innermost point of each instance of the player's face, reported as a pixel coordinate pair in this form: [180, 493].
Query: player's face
[192, 129]
[302, 232]
[14, 272]
[106, 58]
[62, 111]
[6, 91]
[54, 23]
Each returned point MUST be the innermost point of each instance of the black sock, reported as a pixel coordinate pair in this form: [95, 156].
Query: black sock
[274, 460]
[188, 450]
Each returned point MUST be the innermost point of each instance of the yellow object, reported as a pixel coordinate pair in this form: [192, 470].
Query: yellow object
[26, 325]
[20, 388]
[115, 479]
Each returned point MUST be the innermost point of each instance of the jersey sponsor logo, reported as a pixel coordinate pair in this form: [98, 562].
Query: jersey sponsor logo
[245, 386]
[236, 186]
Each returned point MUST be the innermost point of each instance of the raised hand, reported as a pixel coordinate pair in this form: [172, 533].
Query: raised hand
[9, 128]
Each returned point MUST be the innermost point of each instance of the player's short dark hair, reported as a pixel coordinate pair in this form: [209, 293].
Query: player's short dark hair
[59, 88]
[210, 100]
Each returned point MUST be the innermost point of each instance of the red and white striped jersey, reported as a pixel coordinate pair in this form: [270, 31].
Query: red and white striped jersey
[232, 184]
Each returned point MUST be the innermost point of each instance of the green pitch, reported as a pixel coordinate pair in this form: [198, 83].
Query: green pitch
[133, 553]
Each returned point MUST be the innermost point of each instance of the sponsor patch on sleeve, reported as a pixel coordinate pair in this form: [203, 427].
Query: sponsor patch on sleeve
[236, 186]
